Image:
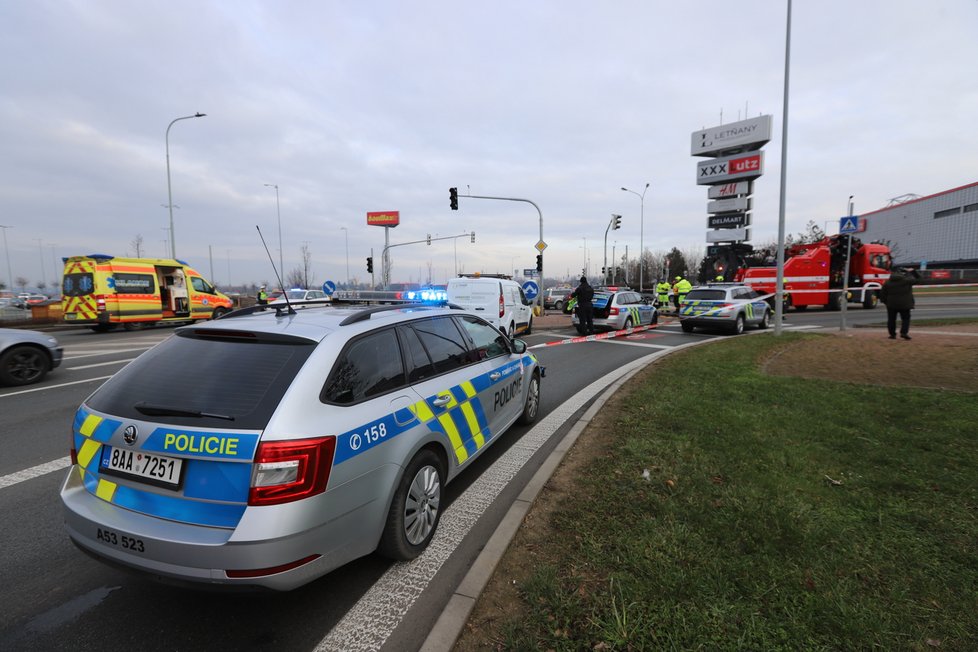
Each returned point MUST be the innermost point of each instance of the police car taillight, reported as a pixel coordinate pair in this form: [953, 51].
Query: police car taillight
[286, 471]
[613, 312]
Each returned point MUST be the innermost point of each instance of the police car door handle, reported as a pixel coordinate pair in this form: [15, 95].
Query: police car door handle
[442, 400]
[495, 375]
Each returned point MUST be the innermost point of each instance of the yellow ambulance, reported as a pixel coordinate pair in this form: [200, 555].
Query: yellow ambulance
[103, 292]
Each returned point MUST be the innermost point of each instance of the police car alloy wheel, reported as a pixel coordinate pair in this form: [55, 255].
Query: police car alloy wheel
[416, 508]
[532, 404]
[738, 327]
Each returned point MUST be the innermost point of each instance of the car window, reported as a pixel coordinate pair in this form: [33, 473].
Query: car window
[200, 285]
[706, 295]
[432, 347]
[250, 377]
[134, 283]
[741, 293]
[369, 366]
[487, 341]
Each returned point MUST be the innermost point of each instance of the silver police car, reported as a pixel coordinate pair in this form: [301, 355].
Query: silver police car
[266, 449]
[726, 306]
[619, 308]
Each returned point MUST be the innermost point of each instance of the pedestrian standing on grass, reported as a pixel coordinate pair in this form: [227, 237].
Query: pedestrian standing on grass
[897, 295]
[585, 310]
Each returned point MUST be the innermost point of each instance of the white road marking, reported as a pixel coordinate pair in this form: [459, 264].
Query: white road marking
[59, 385]
[100, 364]
[630, 343]
[34, 472]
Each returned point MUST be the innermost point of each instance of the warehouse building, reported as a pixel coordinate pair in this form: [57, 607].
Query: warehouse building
[937, 231]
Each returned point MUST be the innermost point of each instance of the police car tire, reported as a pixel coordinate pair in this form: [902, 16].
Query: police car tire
[628, 323]
[531, 407]
[420, 488]
[738, 326]
[21, 365]
[686, 326]
[765, 319]
[655, 318]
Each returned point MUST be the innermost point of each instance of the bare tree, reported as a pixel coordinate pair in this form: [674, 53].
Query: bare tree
[21, 282]
[137, 244]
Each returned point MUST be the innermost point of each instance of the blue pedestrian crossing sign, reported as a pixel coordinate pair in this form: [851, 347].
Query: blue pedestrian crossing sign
[849, 224]
[531, 289]
[329, 288]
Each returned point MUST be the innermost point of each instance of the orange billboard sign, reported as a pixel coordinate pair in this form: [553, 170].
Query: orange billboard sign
[384, 218]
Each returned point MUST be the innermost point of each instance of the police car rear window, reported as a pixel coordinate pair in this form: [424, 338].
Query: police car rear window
[242, 378]
[706, 295]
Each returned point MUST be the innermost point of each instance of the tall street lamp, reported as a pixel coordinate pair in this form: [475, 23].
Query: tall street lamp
[169, 191]
[6, 251]
[278, 212]
[641, 238]
[346, 236]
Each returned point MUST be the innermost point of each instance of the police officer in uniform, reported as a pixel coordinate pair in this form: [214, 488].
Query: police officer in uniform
[585, 310]
[262, 296]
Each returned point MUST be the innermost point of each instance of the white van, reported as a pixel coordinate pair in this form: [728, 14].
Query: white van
[497, 299]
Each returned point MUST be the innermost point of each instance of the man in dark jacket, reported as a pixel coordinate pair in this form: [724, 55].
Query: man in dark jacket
[585, 310]
[897, 294]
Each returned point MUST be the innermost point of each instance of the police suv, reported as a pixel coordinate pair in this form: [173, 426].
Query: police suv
[727, 306]
[269, 447]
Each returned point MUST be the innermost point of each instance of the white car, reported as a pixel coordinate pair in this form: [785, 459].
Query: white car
[497, 299]
[298, 295]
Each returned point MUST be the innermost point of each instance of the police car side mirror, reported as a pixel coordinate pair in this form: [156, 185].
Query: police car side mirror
[519, 347]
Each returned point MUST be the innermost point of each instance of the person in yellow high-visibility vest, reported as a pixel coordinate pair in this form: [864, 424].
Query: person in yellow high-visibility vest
[662, 289]
[680, 288]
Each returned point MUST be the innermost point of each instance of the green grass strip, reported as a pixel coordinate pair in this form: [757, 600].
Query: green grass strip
[779, 513]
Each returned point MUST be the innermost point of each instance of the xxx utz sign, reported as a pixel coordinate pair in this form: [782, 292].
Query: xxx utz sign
[722, 170]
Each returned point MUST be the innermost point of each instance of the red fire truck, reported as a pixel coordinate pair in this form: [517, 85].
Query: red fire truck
[814, 273]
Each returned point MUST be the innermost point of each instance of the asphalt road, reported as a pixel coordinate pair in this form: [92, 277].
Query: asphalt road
[57, 598]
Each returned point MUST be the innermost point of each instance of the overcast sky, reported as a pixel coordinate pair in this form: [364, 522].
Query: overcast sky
[357, 106]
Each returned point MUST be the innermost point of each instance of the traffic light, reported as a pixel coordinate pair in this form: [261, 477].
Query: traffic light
[604, 271]
[370, 264]
[473, 237]
[539, 262]
[617, 224]
[453, 198]
[429, 239]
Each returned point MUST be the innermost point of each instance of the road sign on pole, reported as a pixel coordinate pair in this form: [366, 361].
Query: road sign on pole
[329, 288]
[849, 224]
[531, 290]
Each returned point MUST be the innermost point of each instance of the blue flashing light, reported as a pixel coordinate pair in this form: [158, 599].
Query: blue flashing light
[427, 296]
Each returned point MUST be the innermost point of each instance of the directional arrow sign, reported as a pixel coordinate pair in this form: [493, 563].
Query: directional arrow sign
[531, 290]
[329, 288]
[849, 224]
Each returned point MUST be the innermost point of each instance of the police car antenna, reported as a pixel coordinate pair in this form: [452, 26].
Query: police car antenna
[285, 294]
